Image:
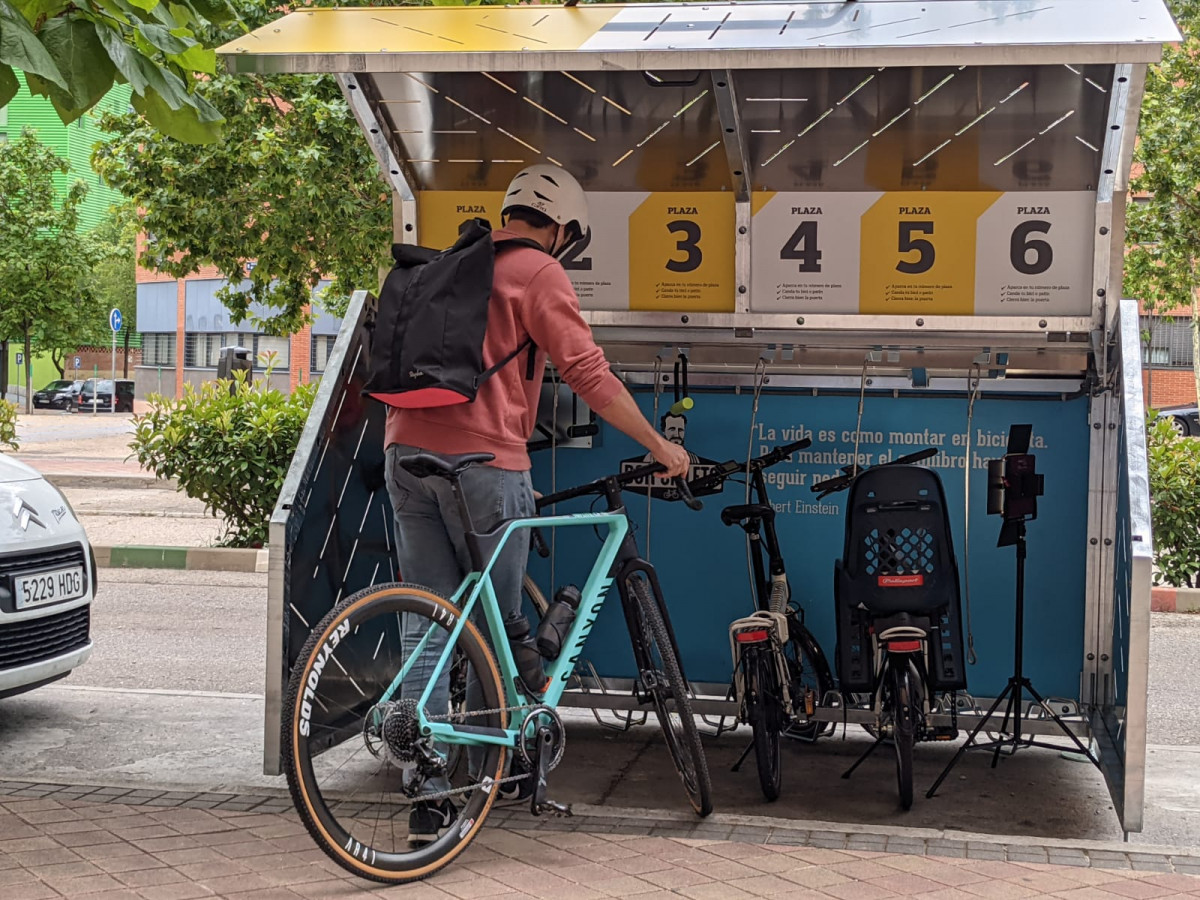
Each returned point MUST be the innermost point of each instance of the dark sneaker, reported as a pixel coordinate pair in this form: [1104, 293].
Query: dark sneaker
[429, 820]
[516, 791]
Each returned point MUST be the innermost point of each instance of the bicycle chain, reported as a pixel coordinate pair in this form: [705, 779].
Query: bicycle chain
[442, 795]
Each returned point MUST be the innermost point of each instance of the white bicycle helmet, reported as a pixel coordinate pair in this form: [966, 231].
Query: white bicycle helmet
[554, 192]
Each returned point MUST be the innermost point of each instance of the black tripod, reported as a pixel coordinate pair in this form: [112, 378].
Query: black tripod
[1013, 532]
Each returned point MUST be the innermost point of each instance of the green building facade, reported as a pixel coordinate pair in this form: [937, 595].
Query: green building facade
[73, 142]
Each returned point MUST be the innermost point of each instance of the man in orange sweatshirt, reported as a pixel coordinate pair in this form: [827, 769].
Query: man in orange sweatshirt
[531, 297]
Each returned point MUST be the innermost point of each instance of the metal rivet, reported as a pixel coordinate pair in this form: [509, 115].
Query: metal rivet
[1108, 542]
[1097, 426]
[799, 320]
[1091, 656]
[1042, 323]
[920, 323]
[742, 229]
[1104, 229]
[1104, 657]
[683, 319]
[1093, 542]
[741, 289]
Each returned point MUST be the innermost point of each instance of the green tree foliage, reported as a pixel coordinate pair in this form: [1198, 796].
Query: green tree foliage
[1174, 463]
[228, 448]
[73, 53]
[1161, 267]
[8, 425]
[45, 266]
[292, 186]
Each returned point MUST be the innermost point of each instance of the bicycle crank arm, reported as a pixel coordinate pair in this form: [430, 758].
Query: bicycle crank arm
[544, 755]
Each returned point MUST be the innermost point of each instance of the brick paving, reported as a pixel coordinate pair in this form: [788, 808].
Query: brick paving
[107, 843]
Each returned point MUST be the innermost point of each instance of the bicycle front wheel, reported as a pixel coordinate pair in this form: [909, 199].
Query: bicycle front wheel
[380, 799]
[764, 709]
[662, 675]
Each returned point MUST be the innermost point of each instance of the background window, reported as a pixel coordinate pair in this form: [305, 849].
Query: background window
[158, 349]
[272, 349]
[1170, 343]
[322, 349]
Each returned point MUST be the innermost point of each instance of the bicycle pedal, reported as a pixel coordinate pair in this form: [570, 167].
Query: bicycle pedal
[942, 733]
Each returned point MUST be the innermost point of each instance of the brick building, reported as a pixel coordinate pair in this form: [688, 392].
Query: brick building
[184, 326]
[1168, 378]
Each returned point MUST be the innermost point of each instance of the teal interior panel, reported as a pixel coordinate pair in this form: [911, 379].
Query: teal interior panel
[703, 565]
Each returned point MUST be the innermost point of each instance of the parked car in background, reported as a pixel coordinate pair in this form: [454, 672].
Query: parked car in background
[47, 582]
[1185, 420]
[57, 395]
[105, 395]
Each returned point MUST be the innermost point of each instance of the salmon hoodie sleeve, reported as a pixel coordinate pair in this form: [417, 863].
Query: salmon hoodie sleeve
[550, 313]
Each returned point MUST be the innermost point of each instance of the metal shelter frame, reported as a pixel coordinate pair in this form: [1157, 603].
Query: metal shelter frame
[734, 103]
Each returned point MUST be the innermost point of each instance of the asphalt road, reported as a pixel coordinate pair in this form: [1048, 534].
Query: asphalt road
[179, 631]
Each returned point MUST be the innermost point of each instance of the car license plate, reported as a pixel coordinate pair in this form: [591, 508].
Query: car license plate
[45, 588]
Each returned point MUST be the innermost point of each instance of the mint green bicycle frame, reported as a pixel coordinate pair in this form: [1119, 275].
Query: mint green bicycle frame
[477, 587]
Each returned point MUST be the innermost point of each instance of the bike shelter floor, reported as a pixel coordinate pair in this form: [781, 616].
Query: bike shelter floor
[1036, 792]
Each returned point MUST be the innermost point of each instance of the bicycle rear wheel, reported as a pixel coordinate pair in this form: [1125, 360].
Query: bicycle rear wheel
[361, 776]
[903, 728]
[809, 671]
[764, 709]
[672, 704]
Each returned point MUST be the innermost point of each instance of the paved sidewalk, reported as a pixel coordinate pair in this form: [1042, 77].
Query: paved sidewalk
[118, 844]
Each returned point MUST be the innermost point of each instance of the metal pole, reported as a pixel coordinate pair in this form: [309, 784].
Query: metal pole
[95, 386]
[114, 364]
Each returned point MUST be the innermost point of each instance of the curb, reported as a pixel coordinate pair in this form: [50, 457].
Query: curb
[1176, 600]
[208, 559]
[78, 480]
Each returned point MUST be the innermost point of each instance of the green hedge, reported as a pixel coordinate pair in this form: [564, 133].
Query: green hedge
[228, 444]
[1174, 504]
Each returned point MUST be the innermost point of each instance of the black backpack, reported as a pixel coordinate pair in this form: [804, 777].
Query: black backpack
[427, 347]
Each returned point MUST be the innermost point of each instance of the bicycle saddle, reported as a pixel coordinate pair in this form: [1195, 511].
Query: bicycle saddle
[424, 464]
[731, 515]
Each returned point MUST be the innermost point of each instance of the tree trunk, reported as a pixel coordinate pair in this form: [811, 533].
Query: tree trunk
[59, 362]
[28, 376]
[4, 369]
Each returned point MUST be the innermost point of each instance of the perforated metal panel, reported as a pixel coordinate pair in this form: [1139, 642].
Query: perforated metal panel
[613, 130]
[941, 128]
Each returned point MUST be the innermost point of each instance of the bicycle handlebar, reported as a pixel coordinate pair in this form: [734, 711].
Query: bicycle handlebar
[849, 473]
[622, 479]
[729, 469]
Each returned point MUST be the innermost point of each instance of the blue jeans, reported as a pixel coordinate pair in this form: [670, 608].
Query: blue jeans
[431, 549]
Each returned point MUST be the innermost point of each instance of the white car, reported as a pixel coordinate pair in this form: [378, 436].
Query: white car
[47, 582]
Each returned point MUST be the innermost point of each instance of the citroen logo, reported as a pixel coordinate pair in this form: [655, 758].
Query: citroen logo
[23, 514]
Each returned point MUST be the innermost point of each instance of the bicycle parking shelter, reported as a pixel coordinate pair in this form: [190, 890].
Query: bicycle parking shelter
[922, 200]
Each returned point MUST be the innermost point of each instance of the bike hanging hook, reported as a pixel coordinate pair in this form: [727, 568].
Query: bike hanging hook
[972, 395]
[683, 402]
[658, 379]
[862, 393]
